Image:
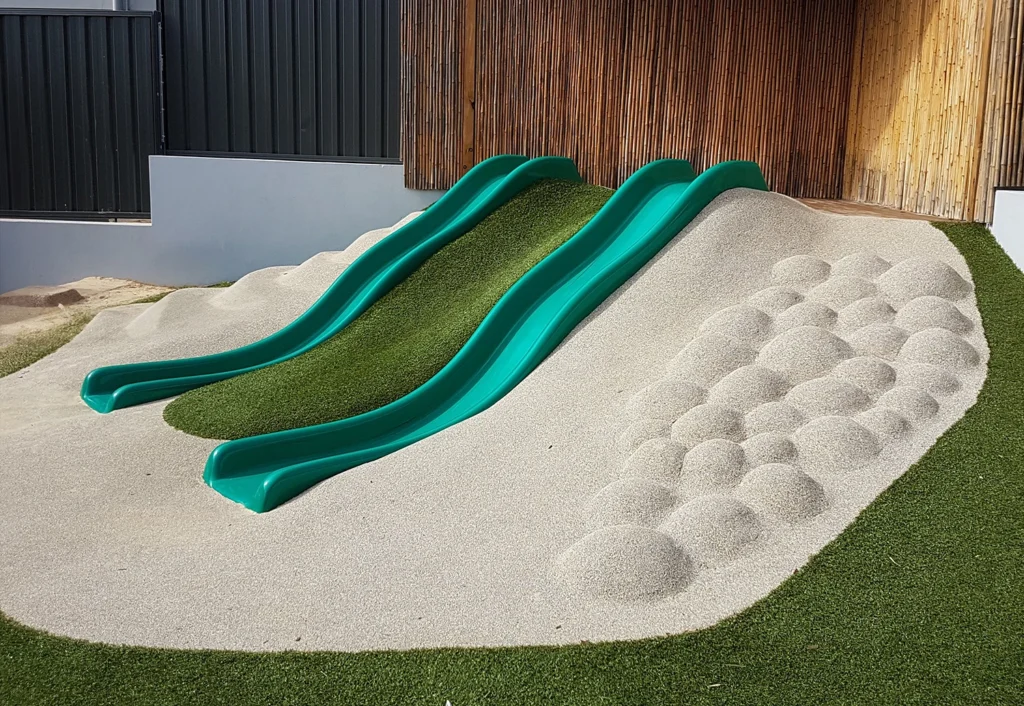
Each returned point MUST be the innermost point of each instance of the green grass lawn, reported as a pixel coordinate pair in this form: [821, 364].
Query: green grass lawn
[920, 601]
[407, 336]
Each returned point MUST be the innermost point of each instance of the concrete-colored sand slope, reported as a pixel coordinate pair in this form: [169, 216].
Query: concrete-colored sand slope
[690, 445]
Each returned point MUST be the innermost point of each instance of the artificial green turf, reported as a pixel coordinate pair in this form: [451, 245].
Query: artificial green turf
[407, 336]
[920, 601]
[31, 347]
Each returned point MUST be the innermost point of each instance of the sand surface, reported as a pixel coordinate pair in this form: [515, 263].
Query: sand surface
[717, 421]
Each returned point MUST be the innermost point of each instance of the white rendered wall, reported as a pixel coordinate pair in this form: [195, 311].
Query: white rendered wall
[1008, 223]
[214, 220]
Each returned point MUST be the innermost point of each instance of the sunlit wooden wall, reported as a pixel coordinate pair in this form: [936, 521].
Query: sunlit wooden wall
[616, 83]
[932, 108]
[914, 104]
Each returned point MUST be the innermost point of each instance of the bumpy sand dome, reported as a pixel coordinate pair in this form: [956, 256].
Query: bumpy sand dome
[626, 563]
[769, 447]
[866, 265]
[880, 340]
[920, 276]
[838, 292]
[831, 444]
[657, 460]
[800, 269]
[930, 378]
[932, 312]
[884, 423]
[825, 396]
[640, 431]
[774, 417]
[937, 346]
[708, 421]
[869, 310]
[748, 387]
[870, 374]
[783, 491]
[742, 322]
[709, 357]
[809, 313]
[909, 402]
[804, 352]
[629, 501]
[713, 527]
[667, 399]
[715, 464]
[775, 299]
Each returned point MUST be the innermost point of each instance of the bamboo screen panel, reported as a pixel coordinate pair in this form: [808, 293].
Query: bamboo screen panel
[918, 93]
[614, 84]
[1002, 151]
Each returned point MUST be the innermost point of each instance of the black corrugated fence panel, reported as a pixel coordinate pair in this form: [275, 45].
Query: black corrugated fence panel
[315, 78]
[79, 111]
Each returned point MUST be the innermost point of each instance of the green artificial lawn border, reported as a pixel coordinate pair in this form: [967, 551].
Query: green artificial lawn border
[404, 338]
[919, 601]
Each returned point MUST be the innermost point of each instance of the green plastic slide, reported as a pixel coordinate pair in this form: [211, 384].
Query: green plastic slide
[526, 324]
[483, 189]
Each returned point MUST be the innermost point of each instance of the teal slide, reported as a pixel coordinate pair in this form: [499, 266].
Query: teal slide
[483, 189]
[526, 324]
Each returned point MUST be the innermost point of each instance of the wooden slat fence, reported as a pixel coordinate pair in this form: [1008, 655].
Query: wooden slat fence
[616, 83]
[915, 104]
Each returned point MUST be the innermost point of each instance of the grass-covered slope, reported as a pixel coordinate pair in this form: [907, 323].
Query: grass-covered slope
[404, 338]
[918, 602]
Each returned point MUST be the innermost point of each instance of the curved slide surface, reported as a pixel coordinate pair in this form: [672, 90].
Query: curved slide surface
[483, 189]
[526, 324]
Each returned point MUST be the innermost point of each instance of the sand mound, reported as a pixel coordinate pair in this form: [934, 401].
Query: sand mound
[775, 299]
[709, 357]
[838, 292]
[708, 421]
[625, 563]
[869, 310]
[866, 265]
[640, 431]
[742, 322]
[810, 313]
[804, 352]
[910, 403]
[885, 424]
[922, 276]
[879, 340]
[835, 443]
[774, 417]
[713, 528]
[667, 399]
[748, 387]
[769, 447]
[800, 269]
[629, 502]
[712, 465]
[870, 374]
[930, 378]
[937, 346]
[783, 491]
[824, 396]
[932, 312]
[657, 460]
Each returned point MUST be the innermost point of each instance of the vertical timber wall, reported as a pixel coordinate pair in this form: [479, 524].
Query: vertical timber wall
[915, 104]
[935, 118]
[616, 83]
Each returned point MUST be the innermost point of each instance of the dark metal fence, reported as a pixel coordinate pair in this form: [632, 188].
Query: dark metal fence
[81, 107]
[79, 112]
[309, 78]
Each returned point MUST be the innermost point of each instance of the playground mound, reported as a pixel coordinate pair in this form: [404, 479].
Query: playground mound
[711, 426]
